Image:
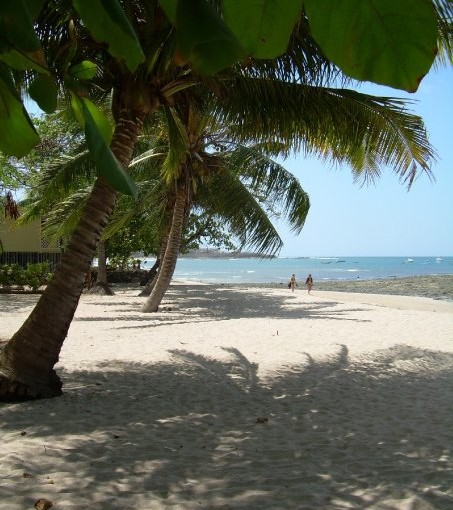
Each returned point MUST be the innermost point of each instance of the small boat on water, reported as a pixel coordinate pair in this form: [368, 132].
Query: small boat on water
[408, 260]
[331, 261]
[439, 259]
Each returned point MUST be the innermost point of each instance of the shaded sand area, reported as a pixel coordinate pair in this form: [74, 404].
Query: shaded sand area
[239, 398]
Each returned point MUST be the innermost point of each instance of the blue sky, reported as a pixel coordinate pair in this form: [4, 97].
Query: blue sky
[383, 218]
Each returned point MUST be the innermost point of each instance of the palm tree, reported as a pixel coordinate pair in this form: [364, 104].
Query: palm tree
[196, 168]
[334, 124]
[249, 223]
[11, 210]
[27, 361]
[63, 186]
[363, 130]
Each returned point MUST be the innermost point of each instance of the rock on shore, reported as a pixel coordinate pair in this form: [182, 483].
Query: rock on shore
[435, 287]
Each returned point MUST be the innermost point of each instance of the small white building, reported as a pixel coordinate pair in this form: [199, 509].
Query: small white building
[25, 244]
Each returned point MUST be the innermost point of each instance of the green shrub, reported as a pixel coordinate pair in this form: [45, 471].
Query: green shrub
[37, 275]
[122, 263]
[12, 274]
[34, 276]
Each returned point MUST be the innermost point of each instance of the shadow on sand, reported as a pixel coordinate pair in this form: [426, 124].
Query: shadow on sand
[201, 433]
[14, 303]
[200, 303]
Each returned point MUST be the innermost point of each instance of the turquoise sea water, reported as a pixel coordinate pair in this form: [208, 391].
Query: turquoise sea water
[322, 268]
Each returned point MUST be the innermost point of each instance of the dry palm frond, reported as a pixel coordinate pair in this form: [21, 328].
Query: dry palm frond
[11, 207]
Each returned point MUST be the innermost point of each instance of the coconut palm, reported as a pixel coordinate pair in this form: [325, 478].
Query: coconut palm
[157, 201]
[334, 124]
[365, 131]
[27, 361]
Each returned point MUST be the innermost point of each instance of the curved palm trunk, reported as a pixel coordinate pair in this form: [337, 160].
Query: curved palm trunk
[168, 262]
[157, 266]
[27, 360]
[163, 246]
[154, 271]
[101, 286]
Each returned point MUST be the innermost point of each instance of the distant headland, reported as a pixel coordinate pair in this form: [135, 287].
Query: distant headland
[209, 253]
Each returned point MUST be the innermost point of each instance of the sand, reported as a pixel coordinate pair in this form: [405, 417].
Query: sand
[239, 398]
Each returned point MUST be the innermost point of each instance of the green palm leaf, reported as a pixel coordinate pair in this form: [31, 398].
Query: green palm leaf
[249, 223]
[61, 220]
[337, 125]
[281, 192]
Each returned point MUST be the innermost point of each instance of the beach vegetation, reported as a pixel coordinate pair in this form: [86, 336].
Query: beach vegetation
[207, 171]
[34, 276]
[140, 60]
[223, 143]
[221, 178]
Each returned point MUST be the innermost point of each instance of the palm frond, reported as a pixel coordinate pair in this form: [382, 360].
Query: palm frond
[444, 10]
[227, 197]
[336, 125]
[58, 180]
[178, 145]
[281, 192]
[150, 204]
[64, 217]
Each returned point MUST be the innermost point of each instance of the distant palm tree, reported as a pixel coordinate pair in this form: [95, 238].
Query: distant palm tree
[11, 210]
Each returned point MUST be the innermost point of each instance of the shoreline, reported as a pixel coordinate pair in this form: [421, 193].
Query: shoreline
[439, 287]
[434, 287]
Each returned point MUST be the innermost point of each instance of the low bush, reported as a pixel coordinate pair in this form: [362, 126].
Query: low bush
[34, 276]
[11, 275]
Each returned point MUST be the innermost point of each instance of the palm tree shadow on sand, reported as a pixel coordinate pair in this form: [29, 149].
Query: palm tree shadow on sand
[200, 303]
[369, 433]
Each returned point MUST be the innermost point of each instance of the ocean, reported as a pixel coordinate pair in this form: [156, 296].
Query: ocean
[279, 270]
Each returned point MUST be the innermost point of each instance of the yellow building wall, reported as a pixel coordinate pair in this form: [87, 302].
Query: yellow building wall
[24, 238]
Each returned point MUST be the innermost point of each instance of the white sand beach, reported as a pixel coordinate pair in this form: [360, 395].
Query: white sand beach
[239, 398]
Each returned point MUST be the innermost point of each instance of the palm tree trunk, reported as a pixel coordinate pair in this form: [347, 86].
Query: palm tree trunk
[151, 279]
[27, 360]
[101, 286]
[154, 271]
[168, 262]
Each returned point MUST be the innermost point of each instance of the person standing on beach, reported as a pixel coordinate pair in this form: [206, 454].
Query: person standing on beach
[292, 283]
[309, 283]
